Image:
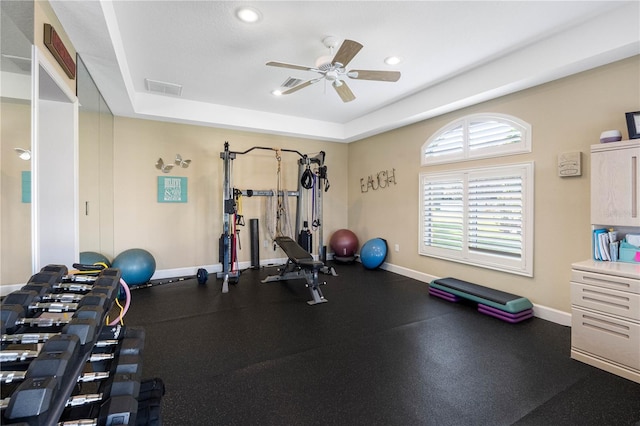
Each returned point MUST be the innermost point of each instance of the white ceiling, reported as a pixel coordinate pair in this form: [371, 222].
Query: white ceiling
[456, 53]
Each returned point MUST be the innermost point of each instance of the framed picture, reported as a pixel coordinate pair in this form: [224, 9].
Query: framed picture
[172, 189]
[633, 124]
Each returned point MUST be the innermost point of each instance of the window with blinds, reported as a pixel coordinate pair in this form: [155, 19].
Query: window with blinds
[477, 136]
[448, 144]
[443, 212]
[482, 217]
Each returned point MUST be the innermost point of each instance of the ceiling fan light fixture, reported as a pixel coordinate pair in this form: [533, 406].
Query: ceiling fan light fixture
[24, 154]
[248, 14]
[392, 60]
[331, 75]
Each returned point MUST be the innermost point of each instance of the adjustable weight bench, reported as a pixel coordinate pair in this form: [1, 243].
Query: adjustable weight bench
[299, 265]
[499, 304]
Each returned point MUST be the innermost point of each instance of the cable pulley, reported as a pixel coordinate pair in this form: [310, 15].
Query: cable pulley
[307, 179]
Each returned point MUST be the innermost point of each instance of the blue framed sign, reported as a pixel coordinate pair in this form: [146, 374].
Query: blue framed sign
[172, 189]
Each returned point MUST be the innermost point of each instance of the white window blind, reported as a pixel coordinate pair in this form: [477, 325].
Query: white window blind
[449, 143]
[495, 215]
[480, 216]
[443, 213]
[477, 136]
[491, 133]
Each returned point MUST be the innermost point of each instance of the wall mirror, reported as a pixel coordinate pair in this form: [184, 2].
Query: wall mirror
[16, 41]
[95, 138]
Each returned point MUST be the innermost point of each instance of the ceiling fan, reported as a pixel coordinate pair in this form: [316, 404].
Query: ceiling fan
[334, 69]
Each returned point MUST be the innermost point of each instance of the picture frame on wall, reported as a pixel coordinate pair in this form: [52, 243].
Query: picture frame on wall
[633, 124]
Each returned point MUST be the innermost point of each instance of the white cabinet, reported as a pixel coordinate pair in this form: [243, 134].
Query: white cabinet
[605, 296]
[615, 183]
[605, 316]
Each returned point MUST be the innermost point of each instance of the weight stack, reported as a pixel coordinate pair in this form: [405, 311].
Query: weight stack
[305, 239]
[255, 243]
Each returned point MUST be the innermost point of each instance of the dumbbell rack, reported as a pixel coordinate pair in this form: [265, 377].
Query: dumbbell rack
[60, 363]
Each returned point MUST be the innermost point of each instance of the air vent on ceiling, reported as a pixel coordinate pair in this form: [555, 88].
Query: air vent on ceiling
[162, 87]
[291, 82]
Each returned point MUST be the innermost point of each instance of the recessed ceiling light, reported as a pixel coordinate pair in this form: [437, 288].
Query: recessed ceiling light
[392, 60]
[276, 92]
[248, 14]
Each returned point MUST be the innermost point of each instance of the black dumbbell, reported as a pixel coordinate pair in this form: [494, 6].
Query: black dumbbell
[85, 328]
[40, 288]
[59, 269]
[62, 350]
[118, 410]
[105, 285]
[118, 362]
[19, 304]
[115, 410]
[58, 357]
[13, 318]
[14, 307]
[61, 355]
[32, 400]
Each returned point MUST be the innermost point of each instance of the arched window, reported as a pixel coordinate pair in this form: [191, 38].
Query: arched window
[477, 136]
[479, 216]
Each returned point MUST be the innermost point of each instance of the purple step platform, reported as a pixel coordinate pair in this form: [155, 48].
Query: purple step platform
[505, 316]
[443, 295]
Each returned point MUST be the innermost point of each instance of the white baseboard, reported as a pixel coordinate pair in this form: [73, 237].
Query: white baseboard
[540, 311]
[409, 273]
[551, 314]
[212, 269]
[8, 288]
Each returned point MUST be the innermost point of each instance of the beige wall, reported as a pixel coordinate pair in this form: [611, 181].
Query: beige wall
[16, 215]
[565, 115]
[184, 235]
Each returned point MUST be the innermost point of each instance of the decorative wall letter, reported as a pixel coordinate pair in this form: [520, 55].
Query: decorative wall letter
[380, 180]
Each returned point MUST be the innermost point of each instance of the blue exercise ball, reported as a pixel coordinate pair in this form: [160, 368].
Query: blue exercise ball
[136, 265]
[92, 257]
[373, 253]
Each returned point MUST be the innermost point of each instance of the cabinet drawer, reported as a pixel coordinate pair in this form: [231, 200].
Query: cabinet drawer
[608, 281]
[606, 337]
[608, 301]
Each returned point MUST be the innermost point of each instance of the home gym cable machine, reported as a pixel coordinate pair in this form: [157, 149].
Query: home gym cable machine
[298, 265]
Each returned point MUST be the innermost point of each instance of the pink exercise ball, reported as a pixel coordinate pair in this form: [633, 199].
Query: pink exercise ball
[344, 243]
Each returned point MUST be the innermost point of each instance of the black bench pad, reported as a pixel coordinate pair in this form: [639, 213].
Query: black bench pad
[297, 254]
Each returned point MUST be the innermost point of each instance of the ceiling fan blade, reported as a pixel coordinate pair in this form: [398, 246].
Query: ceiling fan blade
[374, 75]
[347, 51]
[343, 90]
[292, 66]
[301, 86]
